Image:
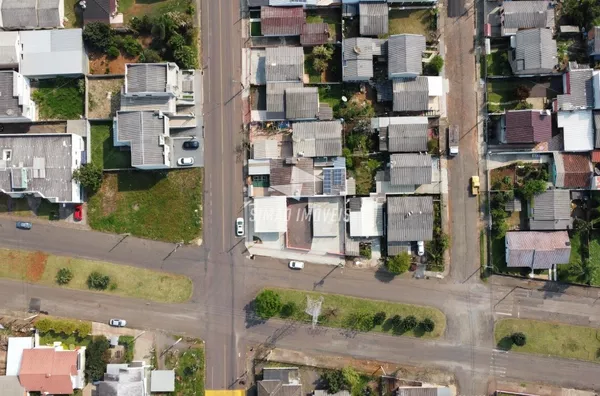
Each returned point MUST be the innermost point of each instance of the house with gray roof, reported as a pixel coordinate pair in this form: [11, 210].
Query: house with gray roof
[401, 134]
[31, 14]
[317, 138]
[280, 381]
[147, 134]
[10, 49]
[551, 210]
[293, 177]
[11, 386]
[593, 40]
[15, 98]
[410, 169]
[533, 52]
[578, 88]
[302, 103]
[357, 59]
[373, 18]
[41, 165]
[51, 53]
[276, 98]
[123, 380]
[410, 94]
[537, 250]
[518, 15]
[405, 55]
[284, 64]
[409, 219]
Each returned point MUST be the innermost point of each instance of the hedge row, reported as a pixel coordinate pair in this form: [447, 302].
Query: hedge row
[64, 326]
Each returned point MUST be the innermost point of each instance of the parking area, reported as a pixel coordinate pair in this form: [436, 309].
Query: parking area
[177, 150]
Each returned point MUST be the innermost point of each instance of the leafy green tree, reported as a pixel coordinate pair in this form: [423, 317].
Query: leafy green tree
[409, 323]
[131, 46]
[64, 276]
[113, 52]
[150, 56]
[583, 12]
[379, 318]
[323, 51]
[396, 321]
[289, 309]
[427, 325]
[354, 109]
[519, 339]
[89, 176]
[351, 377]
[98, 281]
[176, 41]
[583, 271]
[185, 57]
[359, 321]
[334, 381]
[97, 356]
[435, 65]
[268, 304]
[98, 36]
[399, 264]
[319, 64]
[532, 187]
[348, 155]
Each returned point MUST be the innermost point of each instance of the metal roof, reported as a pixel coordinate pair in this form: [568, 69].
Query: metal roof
[146, 77]
[410, 169]
[294, 178]
[265, 149]
[11, 386]
[270, 214]
[580, 90]
[317, 138]
[373, 18]
[49, 13]
[53, 52]
[526, 15]
[142, 131]
[534, 53]
[165, 104]
[276, 95]
[551, 211]
[259, 167]
[301, 103]
[357, 62]
[537, 250]
[408, 219]
[578, 129]
[326, 216]
[528, 126]
[314, 34]
[281, 21]
[19, 14]
[411, 94]
[9, 101]
[284, 64]
[407, 134]
[366, 217]
[597, 127]
[405, 55]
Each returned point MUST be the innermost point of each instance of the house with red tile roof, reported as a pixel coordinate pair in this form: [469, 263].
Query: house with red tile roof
[52, 370]
[573, 171]
[281, 21]
[528, 126]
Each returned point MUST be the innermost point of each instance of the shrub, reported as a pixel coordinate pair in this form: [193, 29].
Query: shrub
[348, 155]
[435, 66]
[396, 321]
[113, 52]
[98, 36]
[97, 356]
[399, 264]
[90, 176]
[150, 56]
[268, 304]
[289, 309]
[185, 57]
[351, 377]
[359, 321]
[98, 281]
[379, 318]
[64, 326]
[131, 46]
[519, 339]
[522, 92]
[334, 381]
[64, 276]
[409, 323]
[129, 343]
[531, 187]
[176, 41]
[427, 325]
[113, 286]
[523, 105]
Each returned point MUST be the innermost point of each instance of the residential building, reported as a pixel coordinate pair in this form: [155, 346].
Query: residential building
[293, 3]
[265, 149]
[52, 370]
[373, 18]
[366, 217]
[302, 103]
[162, 381]
[422, 391]
[280, 381]
[284, 64]
[401, 134]
[14, 355]
[11, 386]
[51, 53]
[593, 39]
[357, 59]
[314, 34]
[10, 50]
[410, 169]
[317, 139]
[41, 165]
[417, 95]
[577, 128]
[103, 11]
[537, 250]
[147, 133]
[551, 210]
[405, 53]
[281, 21]
[123, 380]
[527, 126]
[518, 15]
[409, 219]
[15, 98]
[31, 14]
[533, 51]
[578, 90]
[276, 98]
[292, 177]
[571, 171]
[270, 214]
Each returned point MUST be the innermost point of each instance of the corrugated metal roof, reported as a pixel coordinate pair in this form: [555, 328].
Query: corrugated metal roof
[597, 127]
[373, 18]
[301, 103]
[317, 138]
[270, 214]
[527, 15]
[514, 205]
[551, 211]
[259, 167]
[537, 250]
[146, 77]
[9, 102]
[314, 34]
[405, 55]
[409, 219]
[284, 64]
[411, 94]
[578, 129]
[535, 52]
[19, 14]
[139, 103]
[357, 62]
[528, 126]
[281, 21]
[407, 134]
[410, 169]
[53, 52]
[265, 149]
[367, 221]
[49, 13]
[276, 95]
[141, 131]
[579, 88]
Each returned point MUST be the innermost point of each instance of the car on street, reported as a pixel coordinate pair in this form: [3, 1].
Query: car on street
[239, 226]
[296, 264]
[191, 144]
[117, 322]
[24, 225]
[420, 248]
[185, 161]
[474, 185]
[78, 213]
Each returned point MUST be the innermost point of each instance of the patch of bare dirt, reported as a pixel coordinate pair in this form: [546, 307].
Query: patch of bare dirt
[104, 97]
[109, 193]
[101, 64]
[36, 266]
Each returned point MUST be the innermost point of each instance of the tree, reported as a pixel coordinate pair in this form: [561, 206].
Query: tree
[399, 264]
[334, 381]
[427, 325]
[396, 321]
[98, 281]
[96, 358]
[64, 276]
[354, 109]
[435, 66]
[150, 56]
[98, 36]
[90, 176]
[131, 46]
[268, 304]
[176, 41]
[409, 323]
[289, 309]
[351, 377]
[348, 155]
[320, 64]
[185, 57]
[113, 52]
[584, 271]
[523, 105]
[583, 12]
[323, 51]
[531, 187]
[522, 92]
[519, 339]
[379, 318]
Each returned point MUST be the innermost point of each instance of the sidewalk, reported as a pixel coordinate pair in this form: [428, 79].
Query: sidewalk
[547, 286]
[296, 255]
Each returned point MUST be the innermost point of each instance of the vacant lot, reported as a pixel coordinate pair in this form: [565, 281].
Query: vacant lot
[342, 306]
[160, 205]
[104, 97]
[59, 98]
[39, 267]
[409, 21]
[189, 370]
[555, 339]
[152, 8]
[104, 153]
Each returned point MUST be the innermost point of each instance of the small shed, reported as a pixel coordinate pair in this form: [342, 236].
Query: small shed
[514, 205]
[162, 381]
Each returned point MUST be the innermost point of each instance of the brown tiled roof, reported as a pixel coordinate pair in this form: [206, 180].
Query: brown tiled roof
[527, 126]
[314, 34]
[596, 156]
[578, 171]
[48, 371]
[281, 21]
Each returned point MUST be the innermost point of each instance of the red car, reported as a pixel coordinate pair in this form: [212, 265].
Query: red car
[78, 214]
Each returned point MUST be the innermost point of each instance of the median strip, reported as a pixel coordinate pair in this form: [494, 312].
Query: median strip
[82, 274]
[352, 313]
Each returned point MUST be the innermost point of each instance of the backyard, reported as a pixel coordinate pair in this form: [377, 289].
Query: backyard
[42, 268]
[331, 94]
[332, 74]
[189, 370]
[159, 205]
[502, 93]
[59, 98]
[104, 97]
[73, 17]
[104, 153]
[331, 17]
[547, 338]
[497, 63]
[152, 8]
[582, 268]
[410, 22]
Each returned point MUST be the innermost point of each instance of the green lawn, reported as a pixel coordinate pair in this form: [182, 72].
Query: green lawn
[546, 338]
[409, 21]
[567, 273]
[497, 63]
[39, 267]
[103, 152]
[159, 205]
[60, 98]
[313, 75]
[20, 207]
[73, 14]
[331, 94]
[152, 8]
[341, 307]
[189, 371]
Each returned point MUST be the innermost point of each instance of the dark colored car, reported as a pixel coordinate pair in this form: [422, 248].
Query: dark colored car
[24, 225]
[191, 144]
[78, 213]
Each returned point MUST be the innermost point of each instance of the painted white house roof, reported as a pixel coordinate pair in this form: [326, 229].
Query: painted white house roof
[16, 346]
[270, 214]
[578, 129]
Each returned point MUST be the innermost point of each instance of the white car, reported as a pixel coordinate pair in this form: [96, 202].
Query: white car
[117, 322]
[239, 227]
[296, 264]
[185, 161]
[420, 248]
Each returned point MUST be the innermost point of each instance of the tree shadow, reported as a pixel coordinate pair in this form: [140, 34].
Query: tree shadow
[387, 325]
[554, 289]
[419, 331]
[505, 344]
[384, 275]
[251, 318]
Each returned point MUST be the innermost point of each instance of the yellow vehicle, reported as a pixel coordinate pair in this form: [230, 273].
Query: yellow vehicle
[475, 185]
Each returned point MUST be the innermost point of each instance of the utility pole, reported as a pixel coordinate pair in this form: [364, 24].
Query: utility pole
[120, 241]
